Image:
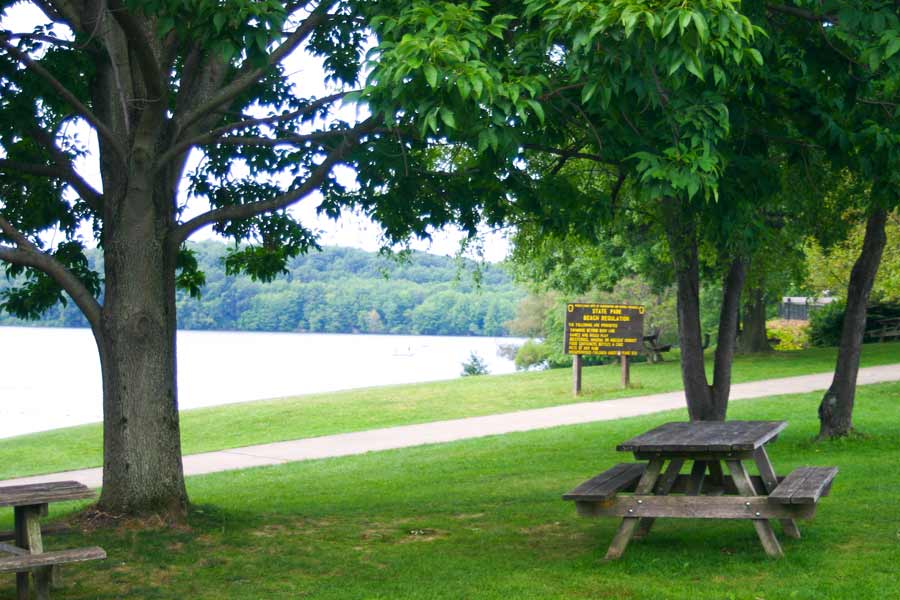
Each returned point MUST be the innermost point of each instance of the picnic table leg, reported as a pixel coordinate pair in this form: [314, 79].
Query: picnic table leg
[744, 486]
[663, 486]
[695, 484]
[28, 537]
[770, 482]
[716, 478]
[629, 524]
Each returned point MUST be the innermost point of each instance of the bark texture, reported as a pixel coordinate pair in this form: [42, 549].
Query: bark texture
[705, 402]
[753, 336]
[836, 408]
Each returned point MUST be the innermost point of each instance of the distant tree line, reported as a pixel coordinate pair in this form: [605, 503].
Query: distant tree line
[337, 290]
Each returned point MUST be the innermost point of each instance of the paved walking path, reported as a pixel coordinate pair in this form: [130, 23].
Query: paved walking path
[390, 438]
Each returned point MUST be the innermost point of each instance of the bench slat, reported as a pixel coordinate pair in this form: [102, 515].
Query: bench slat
[31, 562]
[10, 549]
[43, 493]
[804, 485]
[608, 483]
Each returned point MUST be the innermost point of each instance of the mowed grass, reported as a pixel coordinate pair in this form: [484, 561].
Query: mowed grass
[483, 519]
[244, 424]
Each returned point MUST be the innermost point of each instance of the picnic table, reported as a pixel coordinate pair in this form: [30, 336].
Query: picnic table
[26, 555]
[706, 492]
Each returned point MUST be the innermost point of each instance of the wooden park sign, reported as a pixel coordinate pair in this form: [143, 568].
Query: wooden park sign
[603, 330]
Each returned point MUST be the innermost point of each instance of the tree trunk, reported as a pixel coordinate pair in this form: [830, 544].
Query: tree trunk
[143, 471]
[705, 402]
[682, 235]
[753, 335]
[836, 409]
[727, 338]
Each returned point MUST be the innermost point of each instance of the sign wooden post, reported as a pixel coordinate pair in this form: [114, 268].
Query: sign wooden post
[603, 330]
[576, 374]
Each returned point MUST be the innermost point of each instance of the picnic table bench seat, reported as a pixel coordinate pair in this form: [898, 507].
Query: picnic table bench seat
[621, 477]
[804, 485]
[22, 563]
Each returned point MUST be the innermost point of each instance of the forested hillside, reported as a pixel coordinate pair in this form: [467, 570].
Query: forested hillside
[338, 290]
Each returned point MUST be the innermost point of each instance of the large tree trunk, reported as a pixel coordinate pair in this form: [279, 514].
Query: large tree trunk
[836, 409]
[141, 438]
[753, 334]
[705, 402]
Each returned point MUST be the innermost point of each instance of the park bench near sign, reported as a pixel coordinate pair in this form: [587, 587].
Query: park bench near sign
[26, 556]
[654, 349]
[706, 492]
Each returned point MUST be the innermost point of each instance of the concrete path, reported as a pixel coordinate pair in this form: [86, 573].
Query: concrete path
[472, 427]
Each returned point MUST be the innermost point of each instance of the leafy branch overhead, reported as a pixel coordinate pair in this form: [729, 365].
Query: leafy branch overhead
[207, 76]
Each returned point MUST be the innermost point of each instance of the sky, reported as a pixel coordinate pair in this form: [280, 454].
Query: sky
[354, 230]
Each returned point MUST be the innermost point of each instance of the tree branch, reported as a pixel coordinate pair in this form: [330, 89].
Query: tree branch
[211, 136]
[796, 11]
[66, 11]
[37, 37]
[91, 197]
[140, 45]
[27, 254]
[67, 95]
[570, 154]
[293, 140]
[250, 76]
[88, 193]
[252, 209]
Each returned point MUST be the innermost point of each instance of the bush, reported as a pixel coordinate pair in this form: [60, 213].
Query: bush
[532, 354]
[792, 335]
[474, 366]
[825, 325]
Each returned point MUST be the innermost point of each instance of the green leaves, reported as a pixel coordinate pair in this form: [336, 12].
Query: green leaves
[447, 63]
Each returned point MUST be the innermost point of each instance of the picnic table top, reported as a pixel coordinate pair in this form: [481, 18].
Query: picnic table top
[705, 436]
[43, 493]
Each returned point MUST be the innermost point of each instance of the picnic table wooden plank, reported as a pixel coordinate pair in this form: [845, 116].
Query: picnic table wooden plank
[44, 493]
[804, 485]
[32, 562]
[763, 528]
[627, 527]
[46, 530]
[609, 483]
[10, 549]
[770, 482]
[704, 436]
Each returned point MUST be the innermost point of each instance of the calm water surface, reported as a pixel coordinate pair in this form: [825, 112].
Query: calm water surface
[50, 378]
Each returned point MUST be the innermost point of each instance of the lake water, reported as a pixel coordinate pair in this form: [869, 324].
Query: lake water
[50, 378]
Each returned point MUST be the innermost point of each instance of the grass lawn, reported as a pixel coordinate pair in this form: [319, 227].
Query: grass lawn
[483, 519]
[244, 424]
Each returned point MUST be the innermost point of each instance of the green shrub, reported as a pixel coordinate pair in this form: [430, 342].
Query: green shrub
[825, 325]
[474, 366]
[792, 335]
[532, 354]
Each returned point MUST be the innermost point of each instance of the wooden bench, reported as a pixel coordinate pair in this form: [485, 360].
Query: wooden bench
[654, 348]
[641, 493]
[804, 485]
[23, 562]
[26, 556]
[620, 478]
